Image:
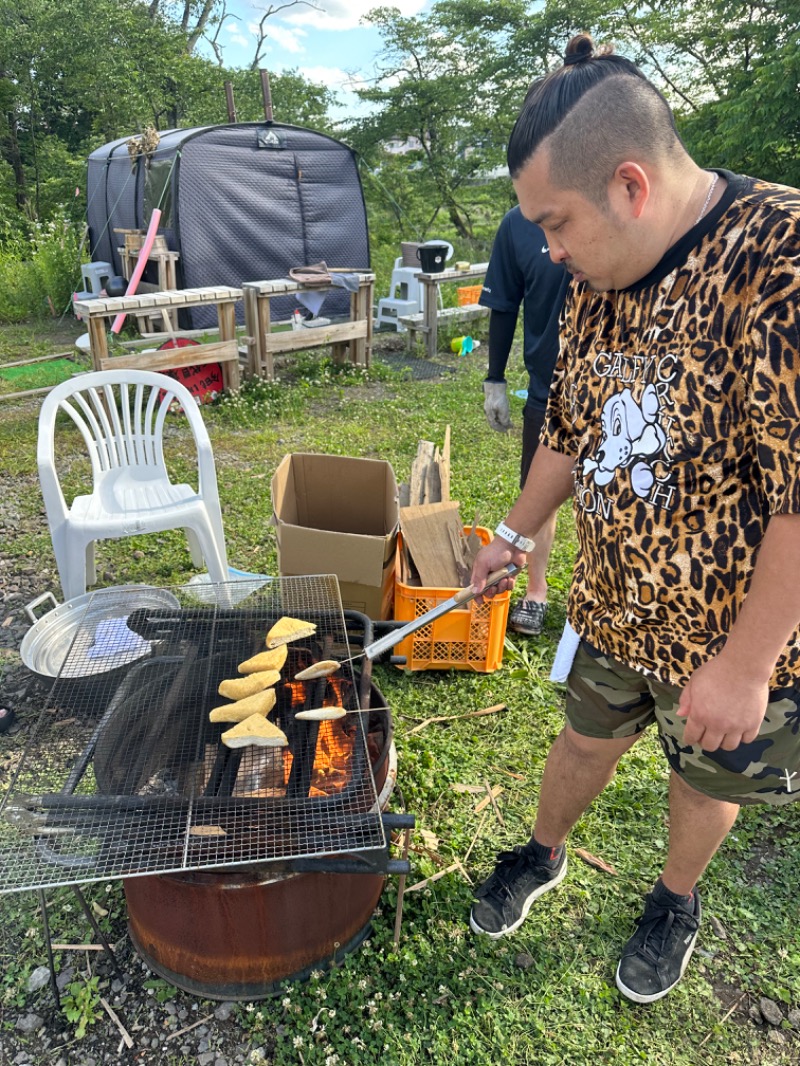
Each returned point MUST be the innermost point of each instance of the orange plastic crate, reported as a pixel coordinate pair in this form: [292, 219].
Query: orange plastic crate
[469, 294]
[463, 639]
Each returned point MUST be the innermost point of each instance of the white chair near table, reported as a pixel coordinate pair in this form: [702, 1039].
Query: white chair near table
[406, 294]
[121, 415]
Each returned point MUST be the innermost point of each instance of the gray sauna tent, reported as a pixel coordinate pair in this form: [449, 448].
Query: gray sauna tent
[240, 202]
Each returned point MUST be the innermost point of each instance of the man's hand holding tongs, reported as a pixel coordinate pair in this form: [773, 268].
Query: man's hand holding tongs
[496, 555]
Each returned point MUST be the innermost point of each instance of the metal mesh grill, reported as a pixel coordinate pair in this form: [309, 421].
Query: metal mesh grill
[125, 773]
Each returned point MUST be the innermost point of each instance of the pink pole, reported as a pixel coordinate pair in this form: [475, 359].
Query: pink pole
[141, 263]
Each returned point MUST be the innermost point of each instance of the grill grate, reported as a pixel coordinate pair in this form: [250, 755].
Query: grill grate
[125, 774]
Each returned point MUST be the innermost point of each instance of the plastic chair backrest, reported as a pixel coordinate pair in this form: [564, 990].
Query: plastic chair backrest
[120, 415]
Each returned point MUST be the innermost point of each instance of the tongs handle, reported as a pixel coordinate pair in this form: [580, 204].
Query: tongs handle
[465, 595]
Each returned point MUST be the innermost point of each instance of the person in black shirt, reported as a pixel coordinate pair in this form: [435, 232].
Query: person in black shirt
[521, 272]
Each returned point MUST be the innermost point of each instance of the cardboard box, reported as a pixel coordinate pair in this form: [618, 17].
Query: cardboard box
[338, 515]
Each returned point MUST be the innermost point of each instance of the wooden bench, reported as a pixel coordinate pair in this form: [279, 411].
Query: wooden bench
[355, 334]
[416, 323]
[225, 351]
[427, 321]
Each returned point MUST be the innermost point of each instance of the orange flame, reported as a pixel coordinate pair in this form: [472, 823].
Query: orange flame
[334, 754]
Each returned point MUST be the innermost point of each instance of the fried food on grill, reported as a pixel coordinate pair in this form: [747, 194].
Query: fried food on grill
[286, 629]
[321, 714]
[324, 668]
[207, 831]
[255, 730]
[239, 688]
[265, 660]
[261, 703]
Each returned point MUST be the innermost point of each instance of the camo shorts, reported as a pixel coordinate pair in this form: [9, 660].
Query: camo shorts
[607, 699]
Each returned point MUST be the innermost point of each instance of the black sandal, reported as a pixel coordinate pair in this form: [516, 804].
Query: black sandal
[7, 719]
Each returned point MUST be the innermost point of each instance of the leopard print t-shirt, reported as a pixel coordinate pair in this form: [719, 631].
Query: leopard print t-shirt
[680, 400]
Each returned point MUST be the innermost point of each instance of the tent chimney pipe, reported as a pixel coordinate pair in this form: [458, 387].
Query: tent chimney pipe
[266, 92]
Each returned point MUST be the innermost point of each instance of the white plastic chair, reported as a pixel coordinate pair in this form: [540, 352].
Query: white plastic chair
[406, 294]
[121, 416]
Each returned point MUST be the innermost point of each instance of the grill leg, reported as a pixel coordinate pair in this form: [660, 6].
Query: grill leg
[48, 943]
[87, 910]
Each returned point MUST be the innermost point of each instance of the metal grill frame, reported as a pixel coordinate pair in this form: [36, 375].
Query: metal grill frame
[58, 828]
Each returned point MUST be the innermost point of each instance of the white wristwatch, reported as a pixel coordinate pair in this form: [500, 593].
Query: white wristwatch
[516, 540]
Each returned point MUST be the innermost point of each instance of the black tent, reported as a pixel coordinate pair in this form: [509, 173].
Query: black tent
[240, 202]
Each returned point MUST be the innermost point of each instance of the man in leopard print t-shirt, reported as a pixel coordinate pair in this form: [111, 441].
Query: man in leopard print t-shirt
[674, 423]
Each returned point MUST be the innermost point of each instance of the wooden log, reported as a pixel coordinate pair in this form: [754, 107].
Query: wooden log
[173, 358]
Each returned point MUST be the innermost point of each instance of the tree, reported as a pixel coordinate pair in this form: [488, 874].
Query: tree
[730, 69]
[444, 79]
[75, 74]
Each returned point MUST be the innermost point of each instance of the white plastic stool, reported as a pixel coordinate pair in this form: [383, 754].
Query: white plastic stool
[390, 310]
[95, 276]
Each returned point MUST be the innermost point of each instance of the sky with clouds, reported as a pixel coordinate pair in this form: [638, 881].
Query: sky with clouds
[324, 40]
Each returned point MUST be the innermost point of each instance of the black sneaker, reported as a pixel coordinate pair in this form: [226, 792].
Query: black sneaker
[503, 900]
[657, 954]
[527, 617]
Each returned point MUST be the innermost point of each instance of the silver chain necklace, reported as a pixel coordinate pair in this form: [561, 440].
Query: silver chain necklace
[710, 193]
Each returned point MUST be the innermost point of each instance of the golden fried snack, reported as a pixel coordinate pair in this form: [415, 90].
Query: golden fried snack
[260, 703]
[324, 668]
[239, 688]
[255, 730]
[287, 629]
[321, 714]
[265, 660]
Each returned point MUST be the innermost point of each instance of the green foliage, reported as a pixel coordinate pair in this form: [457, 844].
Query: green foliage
[39, 274]
[81, 1003]
[446, 81]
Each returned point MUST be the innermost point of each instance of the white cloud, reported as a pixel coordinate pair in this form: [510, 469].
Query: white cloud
[236, 35]
[282, 37]
[345, 14]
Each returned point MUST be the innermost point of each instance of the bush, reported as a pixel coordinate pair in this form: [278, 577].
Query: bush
[38, 271]
[57, 261]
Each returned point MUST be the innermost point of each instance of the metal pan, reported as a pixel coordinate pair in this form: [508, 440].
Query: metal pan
[47, 648]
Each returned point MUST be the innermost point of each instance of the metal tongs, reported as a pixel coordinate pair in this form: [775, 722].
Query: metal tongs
[460, 599]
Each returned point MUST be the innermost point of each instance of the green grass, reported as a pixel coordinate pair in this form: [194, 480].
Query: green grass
[546, 995]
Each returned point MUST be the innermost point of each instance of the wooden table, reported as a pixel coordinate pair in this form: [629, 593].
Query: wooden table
[355, 334]
[224, 351]
[427, 321]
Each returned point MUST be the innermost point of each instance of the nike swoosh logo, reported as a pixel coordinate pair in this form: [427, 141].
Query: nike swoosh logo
[545, 250]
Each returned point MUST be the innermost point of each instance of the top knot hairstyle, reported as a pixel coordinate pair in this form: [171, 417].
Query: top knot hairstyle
[595, 111]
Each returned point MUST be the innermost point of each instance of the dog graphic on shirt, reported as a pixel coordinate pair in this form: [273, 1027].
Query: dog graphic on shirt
[632, 438]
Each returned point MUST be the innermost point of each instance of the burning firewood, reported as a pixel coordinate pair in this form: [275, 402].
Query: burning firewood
[240, 688]
[256, 730]
[321, 714]
[265, 660]
[287, 629]
[259, 704]
[324, 668]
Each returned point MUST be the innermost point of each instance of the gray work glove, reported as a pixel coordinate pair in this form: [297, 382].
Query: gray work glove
[495, 405]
